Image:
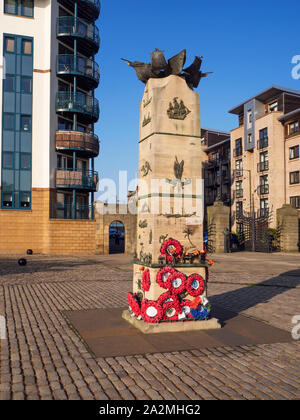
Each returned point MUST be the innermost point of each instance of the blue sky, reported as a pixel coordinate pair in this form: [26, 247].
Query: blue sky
[248, 45]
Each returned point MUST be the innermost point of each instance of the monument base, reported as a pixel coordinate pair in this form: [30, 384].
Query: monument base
[171, 327]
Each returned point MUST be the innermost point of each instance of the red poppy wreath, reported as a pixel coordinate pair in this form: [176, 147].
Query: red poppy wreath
[151, 311]
[170, 311]
[195, 285]
[163, 275]
[177, 283]
[167, 297]
[134, 305]
[185, 308]
[171, 249]
[146, 282]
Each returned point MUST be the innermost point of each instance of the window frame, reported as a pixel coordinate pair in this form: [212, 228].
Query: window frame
[298, 176]
[19, 9]
[296, 199]
[292, 149]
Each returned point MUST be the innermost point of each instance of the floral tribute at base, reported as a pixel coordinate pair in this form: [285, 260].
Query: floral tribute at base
[172, 305]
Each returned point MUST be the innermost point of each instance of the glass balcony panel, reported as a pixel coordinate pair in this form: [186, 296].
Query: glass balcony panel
[76, 65]
[70, 26]
[77, 102]
[81, 179]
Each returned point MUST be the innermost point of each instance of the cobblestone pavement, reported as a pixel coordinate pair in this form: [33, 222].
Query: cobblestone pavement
[43, 358]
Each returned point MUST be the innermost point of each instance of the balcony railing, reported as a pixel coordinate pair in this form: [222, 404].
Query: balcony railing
[66, 212]
[75, 140]
[79, 103]
[68, 64]
[74, 27]
[77, 179]
[263, 189]
[237, 152]
[90, 9]
[263, 166]
[239, 193]
[263, 143]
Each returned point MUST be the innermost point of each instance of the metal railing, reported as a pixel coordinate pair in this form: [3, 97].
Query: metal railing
[263, 166]
[66, 211]
[71, 26]
[263, 143]
[75, 140]
[77, 179]
[95, 3]
[263, 189]
[82, 66]
[77, 102]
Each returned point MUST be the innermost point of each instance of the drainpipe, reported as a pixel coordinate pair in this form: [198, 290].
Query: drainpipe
[92, 198]
[74, 99]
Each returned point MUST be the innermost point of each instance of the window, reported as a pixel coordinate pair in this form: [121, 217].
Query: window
[273, 107]
[249, 118]
[24, 199]
[25, 161]
[7, 199]
[9, 45]
[19, 7]
[26, 123]
[8, 160]
[264, 157]
[249, 138]
[294, 152]
[26, 84]
[263, 134]
[294, 177]
[9, 83]
[293, 128]
[238, 147]
[27, 46]
[264, 206]
[239, 208]
[295, 202]
[8, 121]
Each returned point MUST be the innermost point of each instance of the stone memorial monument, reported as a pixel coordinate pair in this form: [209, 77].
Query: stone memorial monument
[170, 267]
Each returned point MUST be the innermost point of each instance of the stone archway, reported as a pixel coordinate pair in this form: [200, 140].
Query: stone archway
[116, 237]
[105, 216]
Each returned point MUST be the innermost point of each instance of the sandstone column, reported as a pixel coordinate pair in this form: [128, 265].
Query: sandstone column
[287, 220]
[218, 219]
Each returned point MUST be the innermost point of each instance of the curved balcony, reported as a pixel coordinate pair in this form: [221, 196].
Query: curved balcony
[86, 70]
[77, 179]
[87, 34]
[86, 106]
[89, 9]
[86, 144]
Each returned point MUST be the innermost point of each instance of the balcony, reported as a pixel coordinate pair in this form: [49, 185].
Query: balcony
[263, 166]
[86, 106]
[86, 144]
[237, 152]
[86, 70]
[87, 34]
[90, 9]
[263, 189]
[66, 212]
[263, 143]
[77, 179]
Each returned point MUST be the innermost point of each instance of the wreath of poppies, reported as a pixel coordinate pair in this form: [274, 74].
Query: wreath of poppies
[171, 311]
[185, 308]
[167, 297]
[146, 282]
[134, 305]
[177, 283]
[195, 285]
[171, 249]
[163, 275]
[151, 311]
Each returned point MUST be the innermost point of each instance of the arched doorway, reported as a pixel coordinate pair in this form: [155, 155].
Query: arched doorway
[116, 238]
